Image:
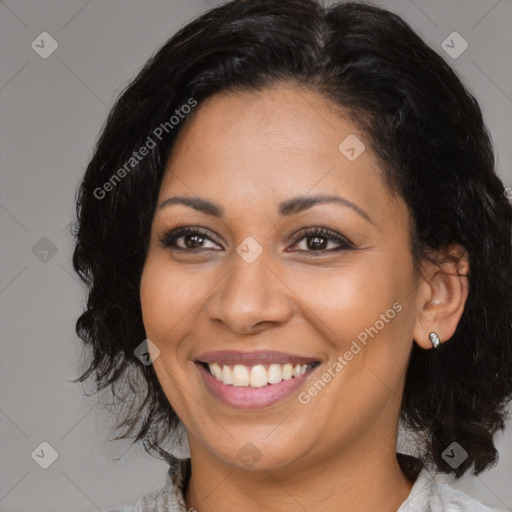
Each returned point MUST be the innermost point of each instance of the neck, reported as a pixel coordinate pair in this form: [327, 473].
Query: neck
[349, 482]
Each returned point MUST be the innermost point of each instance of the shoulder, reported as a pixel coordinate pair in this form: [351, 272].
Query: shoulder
[453, 500]
[153, 501]
[168, 498]
[430, 495]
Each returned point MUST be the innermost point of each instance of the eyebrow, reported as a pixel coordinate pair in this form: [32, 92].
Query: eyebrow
[289, 207]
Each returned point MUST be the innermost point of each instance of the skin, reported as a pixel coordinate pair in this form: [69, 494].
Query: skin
[248, 152]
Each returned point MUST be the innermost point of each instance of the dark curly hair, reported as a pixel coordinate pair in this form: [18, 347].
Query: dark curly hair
[435, 152]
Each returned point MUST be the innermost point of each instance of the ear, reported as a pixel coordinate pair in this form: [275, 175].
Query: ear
[442, 295]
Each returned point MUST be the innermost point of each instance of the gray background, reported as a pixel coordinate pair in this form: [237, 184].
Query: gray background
[51, 112]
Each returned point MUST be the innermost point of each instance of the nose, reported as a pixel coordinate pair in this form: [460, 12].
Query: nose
[250, 298]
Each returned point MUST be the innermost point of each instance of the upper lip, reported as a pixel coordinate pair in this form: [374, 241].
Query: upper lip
[233, 357]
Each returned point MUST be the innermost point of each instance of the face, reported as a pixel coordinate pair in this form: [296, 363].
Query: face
[284, 321]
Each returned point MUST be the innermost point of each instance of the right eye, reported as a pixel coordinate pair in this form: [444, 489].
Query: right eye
[187, 239]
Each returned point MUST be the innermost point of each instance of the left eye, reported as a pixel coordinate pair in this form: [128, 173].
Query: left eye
[318, 240]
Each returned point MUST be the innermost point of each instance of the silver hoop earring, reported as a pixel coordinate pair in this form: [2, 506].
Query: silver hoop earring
[434, 339]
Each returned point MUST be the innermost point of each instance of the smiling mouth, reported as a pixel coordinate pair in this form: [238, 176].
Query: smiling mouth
[258, 375]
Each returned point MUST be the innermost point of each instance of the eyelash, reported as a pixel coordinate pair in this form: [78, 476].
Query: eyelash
[169, 238]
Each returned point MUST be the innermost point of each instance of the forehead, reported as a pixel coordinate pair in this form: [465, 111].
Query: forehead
[273, 144]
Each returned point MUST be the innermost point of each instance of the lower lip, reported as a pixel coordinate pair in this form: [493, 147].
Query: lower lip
[245, 397]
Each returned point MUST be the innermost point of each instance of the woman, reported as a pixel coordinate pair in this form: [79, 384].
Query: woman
[294, 239]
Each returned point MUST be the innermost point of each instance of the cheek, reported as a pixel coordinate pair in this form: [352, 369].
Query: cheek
[166, 300]
[166, 295]
[172, 299]
[343, 302]
[363, 312]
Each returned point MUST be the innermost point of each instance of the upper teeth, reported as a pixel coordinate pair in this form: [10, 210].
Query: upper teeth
[256, 376]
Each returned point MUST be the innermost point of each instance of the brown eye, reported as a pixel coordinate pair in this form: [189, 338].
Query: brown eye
[187, 239]
[322, 240]
[317, 242]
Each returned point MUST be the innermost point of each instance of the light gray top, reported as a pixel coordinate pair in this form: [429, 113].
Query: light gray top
[427, 495]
